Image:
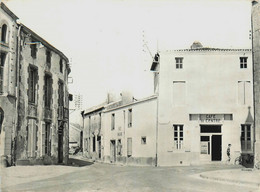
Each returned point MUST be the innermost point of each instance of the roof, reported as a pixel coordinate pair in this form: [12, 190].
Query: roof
[44, 42]
[94, 109]
[8, 11]
[205, 49]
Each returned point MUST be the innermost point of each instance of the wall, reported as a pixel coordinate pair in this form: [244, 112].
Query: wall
[143, 125]
[7, 97]
[210, 86]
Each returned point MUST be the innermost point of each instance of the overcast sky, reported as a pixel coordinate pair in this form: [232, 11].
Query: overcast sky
[104, 38]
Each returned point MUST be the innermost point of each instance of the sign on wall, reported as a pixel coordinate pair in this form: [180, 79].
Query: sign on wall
[211, 118]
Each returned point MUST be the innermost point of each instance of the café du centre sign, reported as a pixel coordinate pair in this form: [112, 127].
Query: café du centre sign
[211, 118]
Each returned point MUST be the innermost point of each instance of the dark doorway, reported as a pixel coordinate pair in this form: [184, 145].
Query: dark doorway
[60, 144]
[216, 148]
[99, 146]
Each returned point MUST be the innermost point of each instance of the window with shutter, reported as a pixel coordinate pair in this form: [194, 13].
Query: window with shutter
[129, 147]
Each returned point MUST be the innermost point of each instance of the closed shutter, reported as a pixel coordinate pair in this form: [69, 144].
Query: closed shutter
[129, 147]
[29, 133]
[43, 138]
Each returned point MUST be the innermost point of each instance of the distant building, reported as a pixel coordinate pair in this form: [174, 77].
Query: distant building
[78, 101]
[34, 99]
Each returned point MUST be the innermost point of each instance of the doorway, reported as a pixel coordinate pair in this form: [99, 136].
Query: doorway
[99, 146]
[60, 144]
[112, 151]
[210, 142]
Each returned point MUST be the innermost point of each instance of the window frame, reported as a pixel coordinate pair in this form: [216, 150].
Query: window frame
[246, 137]
[2, 70]
[47, 90]
[32, 84]
[143, 140]
[243, 62]
[130, 117]
[178, 136]
[4, 32]
[179, 62]
[113, 121]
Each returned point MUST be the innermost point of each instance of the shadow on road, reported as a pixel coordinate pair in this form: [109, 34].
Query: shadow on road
[78, 162]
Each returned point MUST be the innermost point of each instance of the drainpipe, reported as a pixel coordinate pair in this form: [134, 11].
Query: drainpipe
[17, 88]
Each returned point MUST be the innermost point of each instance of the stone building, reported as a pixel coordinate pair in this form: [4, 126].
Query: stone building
[256, 73]
[205, 102]
[8, 80]
[37, 118]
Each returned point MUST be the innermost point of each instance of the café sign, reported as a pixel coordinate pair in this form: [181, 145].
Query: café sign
[211, 118]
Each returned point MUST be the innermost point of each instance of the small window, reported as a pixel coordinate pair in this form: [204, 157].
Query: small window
[179, 62]
[129, 117]
[143, 140]
[243, 62]
[33, 50]
[4, 33]
[61, 66]
[112, 121]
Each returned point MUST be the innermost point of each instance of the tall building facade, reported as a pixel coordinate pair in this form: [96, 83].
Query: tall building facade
[205, 103]
[256, 73]
[35, 121]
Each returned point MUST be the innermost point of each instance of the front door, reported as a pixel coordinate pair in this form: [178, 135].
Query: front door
[99, 146]
[112, 151]
[216, 148]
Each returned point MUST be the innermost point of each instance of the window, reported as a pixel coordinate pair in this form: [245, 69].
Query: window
[47, 90]
[243, 62]
[48, 57]
[244, 92]
[246, 141]
[32, 84]
[32, 138]
[61, 66]
[61, 94]
[94, 143]
[119, 147]
[4, 33]
[112, 121]
[179, 93]
[47, 139]
[178, 136]
[1, 118]
[2, 64]
[143, 140]
[129, 117]
[129, 147]
[33, 50]
[179, 62]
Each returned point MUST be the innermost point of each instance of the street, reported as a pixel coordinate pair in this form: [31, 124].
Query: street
[84, 176]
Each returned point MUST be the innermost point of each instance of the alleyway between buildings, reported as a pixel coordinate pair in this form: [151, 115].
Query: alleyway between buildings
[83, 176]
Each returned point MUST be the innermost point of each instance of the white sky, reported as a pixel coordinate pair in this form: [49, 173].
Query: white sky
[104, 38]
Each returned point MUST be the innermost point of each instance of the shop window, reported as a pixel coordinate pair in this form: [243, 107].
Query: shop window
[179, 93]
[129, 147]
[244, 93]
[33, 50]
[129, 117]
[112, 121]
[178, 136]
[179, 62]
[32, 138]
[2, 64]
[32, 85]
[243, 62]
[47, 90]
[143, 140]
[4, 33]
[246, 139]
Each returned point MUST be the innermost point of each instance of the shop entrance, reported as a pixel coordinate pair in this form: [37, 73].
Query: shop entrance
[211, 142]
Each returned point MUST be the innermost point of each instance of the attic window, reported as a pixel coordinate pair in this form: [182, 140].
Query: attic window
[4, 33]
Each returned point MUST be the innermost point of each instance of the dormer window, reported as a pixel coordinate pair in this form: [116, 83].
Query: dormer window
[61, 66]
[4, 33]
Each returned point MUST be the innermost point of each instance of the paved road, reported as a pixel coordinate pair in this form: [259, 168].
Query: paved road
[106, 178]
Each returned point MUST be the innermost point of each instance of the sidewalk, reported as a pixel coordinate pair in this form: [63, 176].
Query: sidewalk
[238, 176]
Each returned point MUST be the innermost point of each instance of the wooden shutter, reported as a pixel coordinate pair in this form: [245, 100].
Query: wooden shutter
[43, 138]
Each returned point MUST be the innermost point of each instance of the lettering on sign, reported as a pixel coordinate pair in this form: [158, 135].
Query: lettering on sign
[211, 118]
